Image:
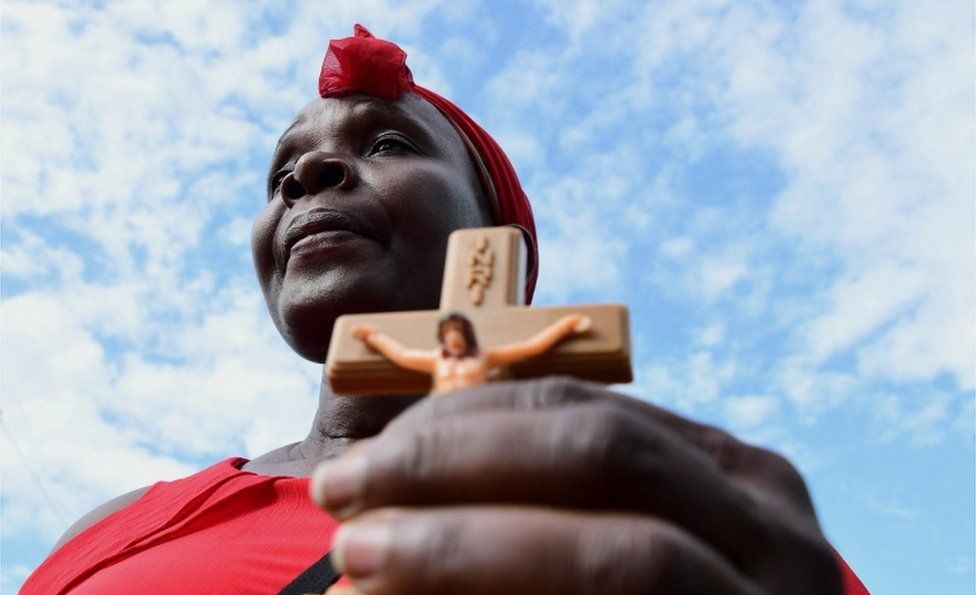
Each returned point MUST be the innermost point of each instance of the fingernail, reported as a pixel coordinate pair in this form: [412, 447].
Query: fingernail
[360, 548]
[337, 484]
[343, 590]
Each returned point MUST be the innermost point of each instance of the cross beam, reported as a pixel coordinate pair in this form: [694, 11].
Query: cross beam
[484, 278]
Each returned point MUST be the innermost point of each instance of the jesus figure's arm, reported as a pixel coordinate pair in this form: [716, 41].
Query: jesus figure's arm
[391, 349]
[542, 342]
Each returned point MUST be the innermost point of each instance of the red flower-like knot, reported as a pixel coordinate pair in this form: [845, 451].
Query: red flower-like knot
[365, 64]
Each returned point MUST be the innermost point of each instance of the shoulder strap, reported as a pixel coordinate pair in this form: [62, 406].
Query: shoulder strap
[316, 579]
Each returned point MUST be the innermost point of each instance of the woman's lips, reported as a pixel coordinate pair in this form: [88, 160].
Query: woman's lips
[319, 228]
[322, 239]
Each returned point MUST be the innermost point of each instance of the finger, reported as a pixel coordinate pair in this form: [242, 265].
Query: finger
[592, 457]
[363, 332]
[541, 393]
[730, 455]
[479, 550]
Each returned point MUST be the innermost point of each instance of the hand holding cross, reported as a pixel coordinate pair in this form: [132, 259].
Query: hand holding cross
[618, 495]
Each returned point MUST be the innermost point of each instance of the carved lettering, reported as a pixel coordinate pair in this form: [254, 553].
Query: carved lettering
[480, 265]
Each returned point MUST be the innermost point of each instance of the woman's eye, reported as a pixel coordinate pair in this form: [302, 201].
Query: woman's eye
[391, 144]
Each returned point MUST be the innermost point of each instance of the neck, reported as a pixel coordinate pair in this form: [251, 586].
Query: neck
[343, 419]
[339, 421]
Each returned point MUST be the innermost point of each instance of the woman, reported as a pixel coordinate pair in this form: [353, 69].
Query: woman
[547, 486]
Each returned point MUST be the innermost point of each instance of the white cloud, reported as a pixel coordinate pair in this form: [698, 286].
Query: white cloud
[524, 150]
[237, 232]
[134, 139]
[890, 508]
[718, 276]
[966, 420]
[923, 421]
[677, 247]
[694, 380]
[13, 576]
[876, 134]
[961, 565]
[33, 259]
[228, 386]
[860, 304]
[129, 134]
[867, 113]
[712, 335]
[813, 392]
[54, 373]
[749, 410]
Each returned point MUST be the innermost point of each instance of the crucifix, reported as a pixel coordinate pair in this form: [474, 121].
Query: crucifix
[483, 283]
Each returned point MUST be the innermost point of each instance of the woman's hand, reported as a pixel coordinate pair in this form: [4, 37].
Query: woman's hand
[560, 486]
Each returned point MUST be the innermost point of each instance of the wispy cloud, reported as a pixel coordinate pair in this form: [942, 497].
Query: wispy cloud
[858, 239]
[783, 193]
[135, 344]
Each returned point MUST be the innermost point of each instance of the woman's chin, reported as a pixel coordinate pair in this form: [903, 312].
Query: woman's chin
[312, 343]
[306, 307]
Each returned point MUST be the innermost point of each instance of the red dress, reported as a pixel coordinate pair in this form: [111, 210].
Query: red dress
[267, 527]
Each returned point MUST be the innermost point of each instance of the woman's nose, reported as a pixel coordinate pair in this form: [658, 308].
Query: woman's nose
[315, 172]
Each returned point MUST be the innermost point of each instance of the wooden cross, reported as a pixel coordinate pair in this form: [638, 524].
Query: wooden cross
[484, 278]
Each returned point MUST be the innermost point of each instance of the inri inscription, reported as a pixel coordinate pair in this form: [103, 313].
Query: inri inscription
[480, 265]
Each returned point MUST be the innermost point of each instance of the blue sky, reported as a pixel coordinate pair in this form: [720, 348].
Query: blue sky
[782, 192]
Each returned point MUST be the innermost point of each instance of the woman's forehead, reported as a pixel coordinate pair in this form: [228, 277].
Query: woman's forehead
[328, 113]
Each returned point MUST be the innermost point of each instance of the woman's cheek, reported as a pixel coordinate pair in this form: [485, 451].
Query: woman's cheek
[262, 241]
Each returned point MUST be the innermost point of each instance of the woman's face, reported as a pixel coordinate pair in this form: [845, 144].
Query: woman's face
[362, 197]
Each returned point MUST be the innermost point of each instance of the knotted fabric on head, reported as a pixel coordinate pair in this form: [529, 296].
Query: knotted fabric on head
[367, 65]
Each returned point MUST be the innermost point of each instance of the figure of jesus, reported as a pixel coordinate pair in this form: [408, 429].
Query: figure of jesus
[459, 363]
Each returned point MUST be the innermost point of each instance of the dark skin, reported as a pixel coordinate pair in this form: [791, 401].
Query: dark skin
[545, 486]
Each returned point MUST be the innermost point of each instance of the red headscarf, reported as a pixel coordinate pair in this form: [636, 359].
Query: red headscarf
[371, 66]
